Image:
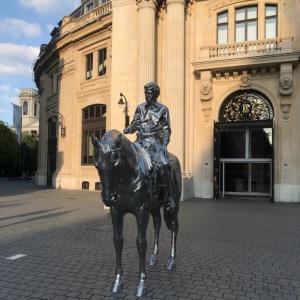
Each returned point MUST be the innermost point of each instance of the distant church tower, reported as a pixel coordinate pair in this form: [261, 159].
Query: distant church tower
[30, 103]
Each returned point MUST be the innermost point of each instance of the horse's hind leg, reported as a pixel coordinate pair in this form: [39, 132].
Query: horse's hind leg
[156, 224]
[142, 217]
[117, 221]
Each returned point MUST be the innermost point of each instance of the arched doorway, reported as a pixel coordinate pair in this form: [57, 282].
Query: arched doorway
[52, 149]
[243, 146]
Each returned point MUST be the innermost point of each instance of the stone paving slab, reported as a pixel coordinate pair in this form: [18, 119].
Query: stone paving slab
[233, 249]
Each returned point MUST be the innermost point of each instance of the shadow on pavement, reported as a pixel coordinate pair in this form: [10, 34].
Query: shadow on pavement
[11, 188]
[224, 248]
[53, 215]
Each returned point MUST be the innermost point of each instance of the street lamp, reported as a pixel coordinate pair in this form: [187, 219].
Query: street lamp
[62, 128]
[123, 101]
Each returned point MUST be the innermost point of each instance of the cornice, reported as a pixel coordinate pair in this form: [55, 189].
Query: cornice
[241, 63]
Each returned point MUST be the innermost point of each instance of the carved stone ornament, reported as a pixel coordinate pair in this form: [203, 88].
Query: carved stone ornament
[285, 109]
[245, 82]
[286, 79]
[206, 89]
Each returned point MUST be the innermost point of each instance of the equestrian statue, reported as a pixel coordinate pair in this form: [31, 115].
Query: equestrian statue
[140, 178]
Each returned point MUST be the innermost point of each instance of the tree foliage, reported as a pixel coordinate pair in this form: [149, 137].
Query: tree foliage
[29, 153]
[15, 159]
[9, 152]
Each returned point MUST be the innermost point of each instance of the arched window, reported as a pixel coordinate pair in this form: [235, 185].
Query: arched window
[93, 121]
[247, 105]
[25, 108]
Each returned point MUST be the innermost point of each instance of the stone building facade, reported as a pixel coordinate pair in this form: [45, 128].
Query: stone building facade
[29, 101]
[228, 71]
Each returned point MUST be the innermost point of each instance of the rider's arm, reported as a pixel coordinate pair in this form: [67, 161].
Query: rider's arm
[135, 123]
[166, 128]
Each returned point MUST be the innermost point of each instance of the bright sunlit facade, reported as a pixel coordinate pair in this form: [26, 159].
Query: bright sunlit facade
[228, 71]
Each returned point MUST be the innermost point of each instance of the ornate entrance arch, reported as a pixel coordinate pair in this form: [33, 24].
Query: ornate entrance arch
[250, 105]
[243, 146]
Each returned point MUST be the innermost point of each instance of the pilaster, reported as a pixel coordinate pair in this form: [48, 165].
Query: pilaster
[146, 46]
[175, 74]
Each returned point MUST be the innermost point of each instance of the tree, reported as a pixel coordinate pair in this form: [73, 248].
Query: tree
[9, 152]
[29, 153]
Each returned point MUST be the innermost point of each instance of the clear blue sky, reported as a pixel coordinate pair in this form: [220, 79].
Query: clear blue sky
[24, 26]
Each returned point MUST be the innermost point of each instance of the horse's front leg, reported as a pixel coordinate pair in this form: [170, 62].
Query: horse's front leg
[142, 218]
[172, 256]
[171, 218]
[156, 224]
[117, 221]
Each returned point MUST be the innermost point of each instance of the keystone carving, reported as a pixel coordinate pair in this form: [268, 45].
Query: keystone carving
[245, 82]
[286, 79]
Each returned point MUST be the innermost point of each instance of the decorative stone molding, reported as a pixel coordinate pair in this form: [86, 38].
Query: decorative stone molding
[245, 82]
[206, 94]
[285, 110]
[206, 86]
[146, 3]
[286, 79]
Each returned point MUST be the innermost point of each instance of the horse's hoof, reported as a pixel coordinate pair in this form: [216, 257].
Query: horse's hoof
[141, 288]
[153, 260]
[171, 263]
[118, 284]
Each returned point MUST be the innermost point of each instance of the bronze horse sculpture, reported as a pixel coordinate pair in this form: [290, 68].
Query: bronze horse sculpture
[125, 172]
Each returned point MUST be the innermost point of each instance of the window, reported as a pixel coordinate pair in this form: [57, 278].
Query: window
[35, 109]
[102, 62]
[89, 66]
[246, 24]
[271, 21]
[89, 7]
[222, 28]
[25, 108]
[93, 121]
[58, 82]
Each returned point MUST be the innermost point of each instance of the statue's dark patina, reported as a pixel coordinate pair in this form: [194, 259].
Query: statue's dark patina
[140, 178]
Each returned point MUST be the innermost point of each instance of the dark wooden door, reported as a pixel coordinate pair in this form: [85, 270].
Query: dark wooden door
[52, 150]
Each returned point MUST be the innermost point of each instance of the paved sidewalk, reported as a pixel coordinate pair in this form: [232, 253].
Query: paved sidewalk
[232, 249]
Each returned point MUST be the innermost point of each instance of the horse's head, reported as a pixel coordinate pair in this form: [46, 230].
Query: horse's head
[111, 161]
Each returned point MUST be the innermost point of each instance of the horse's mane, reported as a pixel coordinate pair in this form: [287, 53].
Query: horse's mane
[113, 140]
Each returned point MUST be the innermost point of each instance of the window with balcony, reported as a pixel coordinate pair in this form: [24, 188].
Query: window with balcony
[89, 66]
[222, 28]
[93, 122]
[271, 17]
[102, 62]
[246, 24]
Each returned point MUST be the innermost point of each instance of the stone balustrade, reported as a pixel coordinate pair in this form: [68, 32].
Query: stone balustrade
[70, 24]
[247, 49]
[98, 12]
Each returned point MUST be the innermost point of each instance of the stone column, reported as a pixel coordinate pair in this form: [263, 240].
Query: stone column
[146, 40]
[175, 74]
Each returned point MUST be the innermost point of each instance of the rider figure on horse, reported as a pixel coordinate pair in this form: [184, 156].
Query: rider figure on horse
[151, 121]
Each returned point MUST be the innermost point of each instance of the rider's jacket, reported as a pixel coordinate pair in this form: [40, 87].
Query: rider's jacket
[152, 123]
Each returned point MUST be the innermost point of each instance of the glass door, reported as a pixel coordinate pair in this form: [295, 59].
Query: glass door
[246, 161]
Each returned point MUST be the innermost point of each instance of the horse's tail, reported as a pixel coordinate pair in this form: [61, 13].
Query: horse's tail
[171, 214]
